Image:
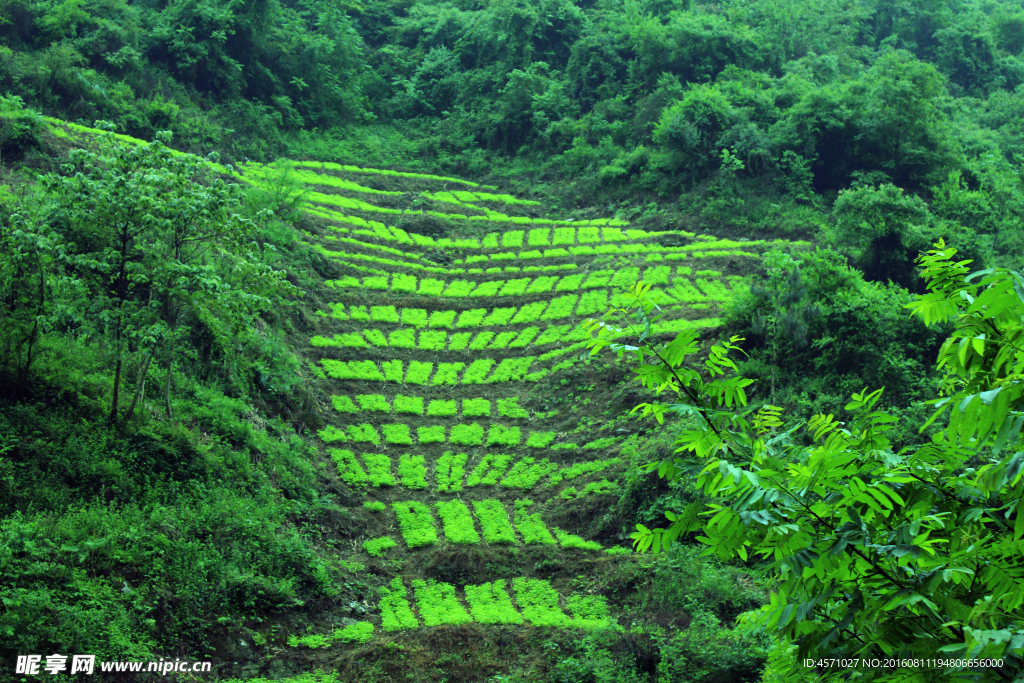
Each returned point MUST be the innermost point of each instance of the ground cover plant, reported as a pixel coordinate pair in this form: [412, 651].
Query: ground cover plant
[530, 526]
[416, 523]
[450, 471]
[458, 523]
[494, 522]
[438, 604]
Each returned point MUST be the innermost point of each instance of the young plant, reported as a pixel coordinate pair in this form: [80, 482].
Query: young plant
[567, 540]
[442, 319]
[442, 407]
[361, 632]
[419, 372]
[527, 472]
[409, 404]
[374, 506]
[467, 434]
[430, 434]
[458, 523]
[373, 403]
[433, 340]
[511, 369]
[416, 522]
[499, 435]
[509, 407]
[489, 469]
[447, 373]
[343, 404]
[476, 407]
[404, 338]
[494, 522]
[477, 370]
[375, 547]
[438, 604]
[542, 285]
[396, 612]
[499, 316]
[414, 317]
[523, 339]
[459, 341]
[364, 433]
[378, 469]
[450, 471]
[349, 469]
[489, 603]
[540, 439]
[412, 471]
[383, 314]
[471, 318]
[481, 341]
[539, 602]
[397, 434]
[530, 527]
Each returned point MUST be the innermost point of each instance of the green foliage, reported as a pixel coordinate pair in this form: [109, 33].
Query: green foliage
[373, 402]
[509, 407]
[396, 612]
[539, 602]
[437, 603]
[567, 540]
[430, 434]
[416, 522]
[408, 404]
[489, 470]
[531, 528]
[839, 516]
[450, 471]
[489, 603]
[527, 472]
[349, 469]
[361, 632]
[494, 522]
[467, 434]
[378, 469]
[412, 471]
[442, 407]
[499, 435]
[376, 547]
[458, 523]
[374, 506]
[475, 407]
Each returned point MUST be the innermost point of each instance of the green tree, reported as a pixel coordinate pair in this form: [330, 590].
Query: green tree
[876, 554]
[162, 249]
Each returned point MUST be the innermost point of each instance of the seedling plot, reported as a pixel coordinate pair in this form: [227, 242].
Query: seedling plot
[477, 370]
[489, 470]
[563, 237]
[396, 612]
[494, 522]
[530, 312]
[433, 340]
[598, 278]
[373, 403]
[438, 604]
[419, 372]
[527, 472]
[570, 283]
[567, 540]
[540, 439]
[530, 527]
[375, 547]
[471, 318]
[416, 522]
[499, 435]
[343, 404]
[538, 601]
[467, 434]
[541, 285]
[499, 316]
[458, 523]
[510, 369]
[348, 340]
[593, 303]
[459, 341]
[509, 407]
[449, 472]
[714, 289]
[397, 434]
[502, 340]
[581, 468]
[447, 373]
[349, 469]
[378, 469]
[331, 434]
[404, 338]
[364, 433]
[489, 603]
[442, 407]
[481, 341]
[589, 611]
[407, 404]
[476, 407]
[431, 434]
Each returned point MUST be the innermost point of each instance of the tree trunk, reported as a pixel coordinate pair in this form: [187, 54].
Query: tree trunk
[140, 386]
[117, 373]
[167, 388]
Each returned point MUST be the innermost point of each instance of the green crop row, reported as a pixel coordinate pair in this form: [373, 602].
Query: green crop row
[598, 487]
[527, 472]
[416, 523]
[517, 287]
[489, 603]
[450, 471]
[457, 523]
[438, 604]
[471, 434]
[567, 540]
[531, 527]
[581, 468]
[396, 612]
[489, 470]
[422, 373]
[375, 547]
[412, 471]
[494, 522]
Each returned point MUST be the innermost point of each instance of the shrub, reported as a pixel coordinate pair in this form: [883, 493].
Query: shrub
[396, 612]
[450, 471]
[477, 370]
[343, 404]
[489, 603]
[409, 404]
[459, 341]
[527, 473]
[375, 547]
[378, 469]
[412, 471]
[529, 312]
[539, 602]
[542, 284]
[599, 487]
[593, 303]
[494, 522]
[430, 434]
[397, 434]
[431, 287]
[511, 369]
[419, 372]
[442, 407]
[476, 407]
[349, 469]
[438, 604]
[364, 433]
[569, 493]
[433, 340]
[457, 523]
[373, 403]
[523, 339]
[416, 522]
[499, 435]
[361, 632]
[489, 470]
[509, 407]
[540, 439]
[444, 319]
[447, 373]
[467, 434]
[374, 506]
[414, 317]
[530, 527]
[481, 341]
[567, 540]
[589, 611]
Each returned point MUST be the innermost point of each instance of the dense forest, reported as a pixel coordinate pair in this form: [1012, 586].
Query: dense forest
[688, 339]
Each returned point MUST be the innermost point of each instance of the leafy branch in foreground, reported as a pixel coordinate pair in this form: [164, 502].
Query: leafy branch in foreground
[876, 554]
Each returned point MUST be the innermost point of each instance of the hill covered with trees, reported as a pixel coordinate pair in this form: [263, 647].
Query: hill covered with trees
[296, 319]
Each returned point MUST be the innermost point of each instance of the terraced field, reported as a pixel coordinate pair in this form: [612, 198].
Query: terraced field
[435, 349]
